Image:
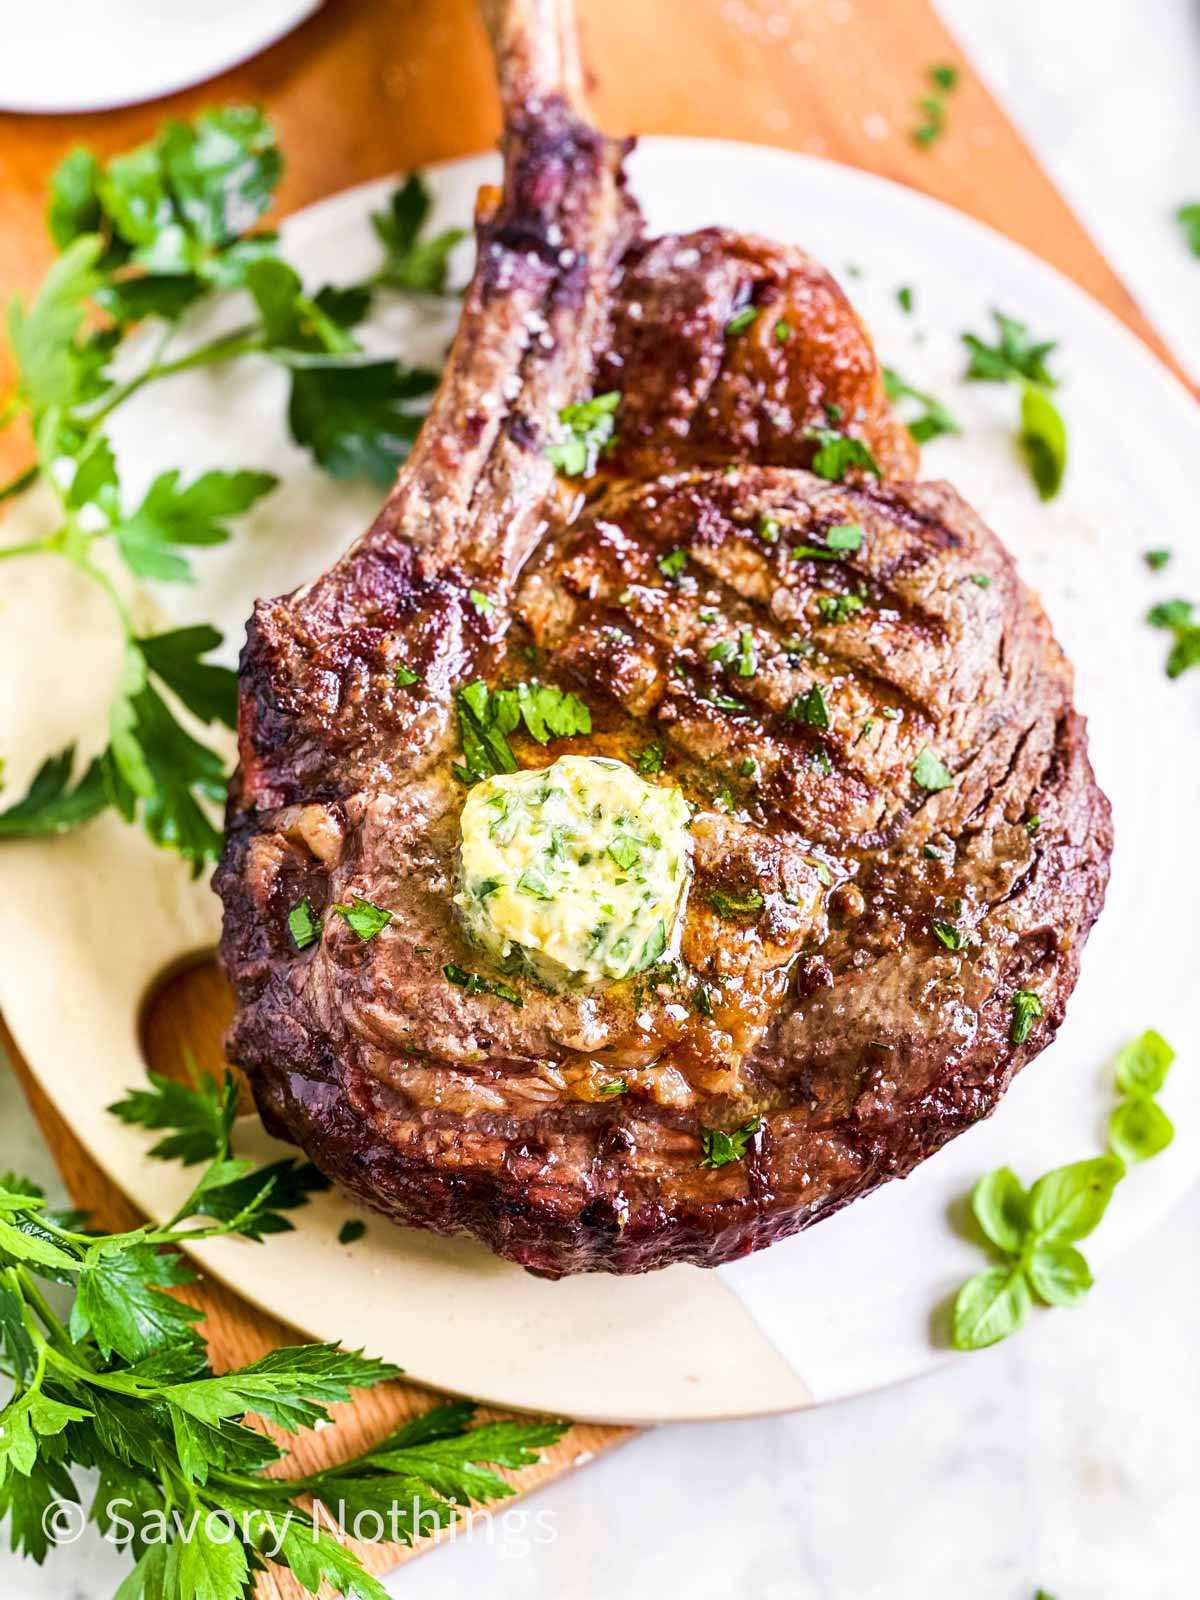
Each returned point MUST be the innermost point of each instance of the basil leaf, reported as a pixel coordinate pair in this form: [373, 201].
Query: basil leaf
[1043, 440]
[1059, 1274]
[989, 1307]
[1138, 1129]
[1188, 217]
[1067, 1203]
[1001, 1207]
[1142, 1065]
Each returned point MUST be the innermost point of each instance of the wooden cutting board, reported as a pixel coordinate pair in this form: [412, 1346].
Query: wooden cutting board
[371, 87]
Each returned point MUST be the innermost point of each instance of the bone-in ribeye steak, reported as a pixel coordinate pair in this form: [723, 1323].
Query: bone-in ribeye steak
[835, 1011]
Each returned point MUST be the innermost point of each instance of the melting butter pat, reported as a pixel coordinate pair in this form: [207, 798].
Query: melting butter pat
[577, 871]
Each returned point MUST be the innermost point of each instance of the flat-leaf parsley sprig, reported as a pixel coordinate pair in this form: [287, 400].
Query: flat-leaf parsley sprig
[120, 1385]
[145, 239]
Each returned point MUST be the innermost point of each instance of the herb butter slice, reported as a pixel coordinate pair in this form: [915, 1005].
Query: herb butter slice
[576, 871]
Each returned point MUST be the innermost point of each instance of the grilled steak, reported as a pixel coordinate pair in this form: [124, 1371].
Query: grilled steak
[895, 828]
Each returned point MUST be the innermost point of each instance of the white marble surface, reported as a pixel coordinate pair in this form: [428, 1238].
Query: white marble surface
[1070, 1457]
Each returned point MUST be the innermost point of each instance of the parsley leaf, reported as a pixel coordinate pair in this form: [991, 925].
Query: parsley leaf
[590, 426]
[53, 366]
[650, 760]
[1178, 617]
[933, 418]
[200, 1113]
[929, 772]
[50, 805]
[839, 453]
[671, 562]
[1016, 355]
[156, 770]
[208, 691]
[1026, 1009]
[303, 924]
[732, 905]
[352, 1230]
[474, 983]
[169, 516]
[360, 418]
[809, 708]
[363, 919]
[410, 262]
[486, 717]
[719, 1149]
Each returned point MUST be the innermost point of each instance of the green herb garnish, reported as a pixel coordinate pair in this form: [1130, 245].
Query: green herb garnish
[650, 760]
[1043, 440]
[931, 420]
[362, 918]
[486, 718]
[1015, 357]
[352, 1230]
[949, 935]
[152, 237]
[740, 321]
[1188, 217]
[1026, 1009]
[409, 261]
[838, 607]
[671, 563]
[474, 983]
[119, 1381]
[1156, 560]
[732, 905]
[1139, 1128]
[720, 1149]
[929, 772]
[1174, 616]
[590, 427]
[838, 453]
[303, 924]
[809, 708]
[1035, 1232]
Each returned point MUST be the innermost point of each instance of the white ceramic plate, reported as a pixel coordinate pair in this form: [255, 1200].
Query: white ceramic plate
[80, 55]
[850, 1305]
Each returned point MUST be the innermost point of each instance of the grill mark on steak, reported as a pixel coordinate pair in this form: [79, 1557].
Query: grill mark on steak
[832, 1011]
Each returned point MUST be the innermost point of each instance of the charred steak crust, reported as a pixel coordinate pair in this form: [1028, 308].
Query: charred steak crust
[835, 1010]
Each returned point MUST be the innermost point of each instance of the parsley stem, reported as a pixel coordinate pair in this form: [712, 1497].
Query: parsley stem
[20, 483]
[34, 1298]
[33, 547]
[238, 342]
